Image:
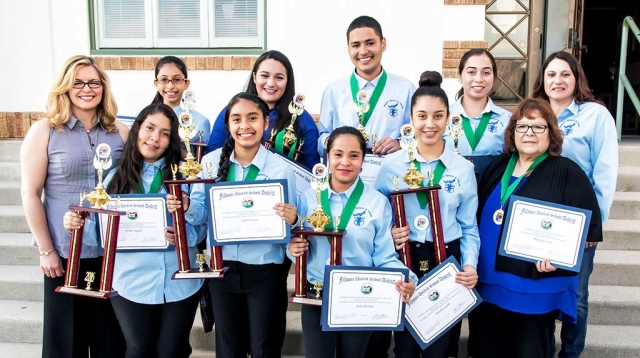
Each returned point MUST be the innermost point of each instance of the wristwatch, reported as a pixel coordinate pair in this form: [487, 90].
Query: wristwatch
[46, 253]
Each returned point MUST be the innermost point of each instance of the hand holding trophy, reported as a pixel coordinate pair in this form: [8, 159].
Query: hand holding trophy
[98, 199]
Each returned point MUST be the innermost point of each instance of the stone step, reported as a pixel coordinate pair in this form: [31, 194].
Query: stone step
[626, 205]
[10, 150]
[21, 282]
[621, 235]
[628, 155]
[16, 249]
[628, 179]
[12, 219]
[614, 305]
[616, 268]
[10, 192]
[22, 350]
[10, 171]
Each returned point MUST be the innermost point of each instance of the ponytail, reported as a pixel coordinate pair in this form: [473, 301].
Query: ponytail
[225, 158]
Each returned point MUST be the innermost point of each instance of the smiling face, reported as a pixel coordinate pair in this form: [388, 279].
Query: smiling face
[246, 124]
[429, 118]
[531, 144]
[154, 135]
[85, 99]
[477, 77]
[171, 93]
[559, 81]
[365, 50]
[345, 161]
[271, 81]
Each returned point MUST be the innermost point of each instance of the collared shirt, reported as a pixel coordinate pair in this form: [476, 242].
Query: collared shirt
[145, 276]
[201, 123]
[492, 142]
[308, 136]
[338, 109]
[458, 199]
[271, 166]
[590, 140]
[368, 240]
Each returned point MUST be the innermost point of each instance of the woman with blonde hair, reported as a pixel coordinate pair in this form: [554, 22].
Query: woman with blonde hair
[59, 150]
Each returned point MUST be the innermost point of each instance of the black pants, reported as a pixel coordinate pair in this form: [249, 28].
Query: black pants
[407, 347]
[496, 332]
[319, 344]
[156, 331]
[248, 300]
[77, 326]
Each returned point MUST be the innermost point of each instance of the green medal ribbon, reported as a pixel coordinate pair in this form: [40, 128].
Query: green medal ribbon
[375, 96]
[280, 145]
[437, 175]
[155, 184]
[348, 209]
[251, 175]
[505, 189]
[474, 137]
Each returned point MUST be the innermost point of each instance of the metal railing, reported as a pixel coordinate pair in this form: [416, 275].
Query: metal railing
[623, 81]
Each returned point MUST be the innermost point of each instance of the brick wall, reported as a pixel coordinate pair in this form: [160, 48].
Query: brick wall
[211, 63]
[452, 51]
[16, 124]
[466, 2]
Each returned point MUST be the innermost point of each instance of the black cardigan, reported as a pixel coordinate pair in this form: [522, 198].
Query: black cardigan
[557, 180]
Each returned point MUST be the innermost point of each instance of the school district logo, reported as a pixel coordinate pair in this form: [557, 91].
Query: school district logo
[359, 216]
[366, 288]
[132, 214]
[434, 295]
[569, 126]
[546, 224]
[394, 107]
[492, 127]
[450, 183]
[247, 202]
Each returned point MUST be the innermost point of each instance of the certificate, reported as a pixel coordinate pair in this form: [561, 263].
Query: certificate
[370, 169]
[438, 303]
[362, 299]
[303, 175]
[537, 230]
[243, 213]
[142, 228]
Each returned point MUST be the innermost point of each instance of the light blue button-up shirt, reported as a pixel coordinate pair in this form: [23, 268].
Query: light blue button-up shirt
[458, 199]
[590, 140]
[200, 122]
[145, 276]
[368, 240]
[338, 109]
[492, 142]
[271, 166]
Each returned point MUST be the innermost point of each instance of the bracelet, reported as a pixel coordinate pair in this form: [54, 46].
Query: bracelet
[46, 253]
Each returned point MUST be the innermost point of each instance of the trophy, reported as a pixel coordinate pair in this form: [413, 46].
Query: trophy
[98, 199]
[454, 127]
[188, 103]
[318, 220]
[189, 169]
[362, 107]
[414, 180]
[286, 141]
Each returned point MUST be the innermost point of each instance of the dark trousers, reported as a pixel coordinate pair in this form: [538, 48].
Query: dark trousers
[156, 331]
[77, 326]
[496, 332]
[407, 347]
[319, 344]
[247, 307]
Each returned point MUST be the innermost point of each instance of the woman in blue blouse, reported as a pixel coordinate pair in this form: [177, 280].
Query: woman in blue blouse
[273, 81]
[155, 312]
[458, 201]
[590, 140]
[522, 299]
[366, 243]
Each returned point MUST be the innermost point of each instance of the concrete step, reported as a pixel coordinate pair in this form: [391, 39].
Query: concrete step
[10, 171]
[22, 350]
[614, 305]
[626, 205]
[616, 268]
[10, 192]
[21, 282]
[12, 219]
[16, 249]
[10, 150]
[629, 155]
[21, 321]
[621, 235]
[628, 178]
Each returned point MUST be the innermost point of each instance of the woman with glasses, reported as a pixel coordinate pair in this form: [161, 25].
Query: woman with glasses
[590, 140]
[522, 299]
[57, 156]
[171, 82]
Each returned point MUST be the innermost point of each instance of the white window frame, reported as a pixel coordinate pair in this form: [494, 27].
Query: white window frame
[151, 41]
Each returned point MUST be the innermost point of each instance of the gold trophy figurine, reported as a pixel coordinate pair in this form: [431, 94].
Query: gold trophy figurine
[101, 161]
[200, 261]
[362, 107]
[186, 130]
[318, 219]
[296, 107]
[91, 276]
[413, 177]
[454, 127]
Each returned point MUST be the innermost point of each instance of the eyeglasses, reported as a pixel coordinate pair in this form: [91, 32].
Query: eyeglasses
[91, 84]
[536, 128]
[176, 81]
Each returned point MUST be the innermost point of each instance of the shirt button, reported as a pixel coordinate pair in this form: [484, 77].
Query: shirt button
[446, 246]
[417, 245]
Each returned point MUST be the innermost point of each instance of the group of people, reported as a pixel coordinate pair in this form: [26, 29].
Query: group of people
[558, 146]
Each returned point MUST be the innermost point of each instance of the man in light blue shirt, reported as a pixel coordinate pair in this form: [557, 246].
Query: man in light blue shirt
[389, 95]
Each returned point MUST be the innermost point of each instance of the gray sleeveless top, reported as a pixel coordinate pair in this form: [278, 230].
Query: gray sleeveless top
[71, 172]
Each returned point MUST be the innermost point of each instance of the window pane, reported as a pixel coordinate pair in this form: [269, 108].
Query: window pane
[236, 18]
[178, 19]
[124, 19]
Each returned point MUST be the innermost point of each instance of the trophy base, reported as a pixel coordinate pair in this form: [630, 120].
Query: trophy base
[195, 273]
[86, 293]
[305, 300]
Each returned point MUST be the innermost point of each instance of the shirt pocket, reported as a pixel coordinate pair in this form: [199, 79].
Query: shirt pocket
[57, 165]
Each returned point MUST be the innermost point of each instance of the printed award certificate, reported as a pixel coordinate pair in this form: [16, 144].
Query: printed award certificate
[370, 169]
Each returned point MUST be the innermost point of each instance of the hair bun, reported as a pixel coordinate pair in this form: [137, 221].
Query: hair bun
[430, 79]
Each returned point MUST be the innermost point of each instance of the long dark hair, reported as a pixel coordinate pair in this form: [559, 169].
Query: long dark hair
[581, 93]
[471, 53]
[230, 144]
[429, 85]
[283, 116]
[127, 177]
[347, 130]
[165, 61]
